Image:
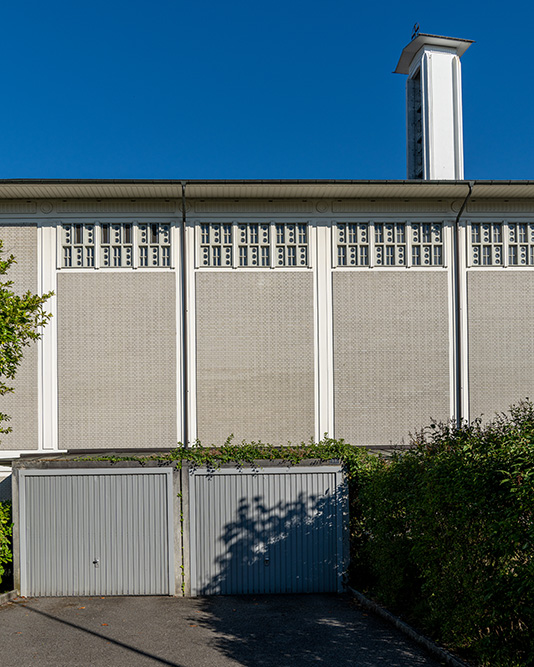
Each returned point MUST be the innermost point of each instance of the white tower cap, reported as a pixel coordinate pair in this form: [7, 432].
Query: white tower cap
[422, 39]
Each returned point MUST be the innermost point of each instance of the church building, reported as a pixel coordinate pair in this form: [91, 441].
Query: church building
[279, 311]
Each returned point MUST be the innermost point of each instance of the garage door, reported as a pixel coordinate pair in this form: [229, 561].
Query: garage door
[96, 532]
[278, 530]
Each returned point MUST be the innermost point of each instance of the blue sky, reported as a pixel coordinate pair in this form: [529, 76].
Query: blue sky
[235, 89]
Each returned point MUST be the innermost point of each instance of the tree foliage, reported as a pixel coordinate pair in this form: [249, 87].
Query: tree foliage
[6, 531]
[21, 319]
[450, 535]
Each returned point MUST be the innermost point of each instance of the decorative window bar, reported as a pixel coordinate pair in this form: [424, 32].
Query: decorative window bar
[291, 244]
[216, 244]
[154, 244]
[253, 244]
[352, 244]
[501, 244]
[78, 246]
[383, 244]
[116, 244]
[427, 244]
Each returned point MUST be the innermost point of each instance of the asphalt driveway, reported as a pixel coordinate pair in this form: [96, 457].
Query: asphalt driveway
[261, 631]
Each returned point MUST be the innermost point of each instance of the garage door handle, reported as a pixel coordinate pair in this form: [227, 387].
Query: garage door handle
[96, 562]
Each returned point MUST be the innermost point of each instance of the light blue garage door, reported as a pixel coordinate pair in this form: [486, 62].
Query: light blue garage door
[274, 530]
[96, 532]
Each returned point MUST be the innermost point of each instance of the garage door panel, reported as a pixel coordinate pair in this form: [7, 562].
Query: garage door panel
[274, 531]
[97, 533]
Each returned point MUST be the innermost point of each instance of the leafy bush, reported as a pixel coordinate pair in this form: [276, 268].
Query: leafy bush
[214, 456]
[6, 527]
[450, 526]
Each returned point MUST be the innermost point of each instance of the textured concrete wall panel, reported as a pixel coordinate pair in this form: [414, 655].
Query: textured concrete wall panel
[391, 354]
[255, 356]
[501, 339]
[116, 360]
[22, 406]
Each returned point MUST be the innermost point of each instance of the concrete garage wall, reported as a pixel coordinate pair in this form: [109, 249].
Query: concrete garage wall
[255, 372]
[116, 360]
[391, 354]
[501, 339]
[22, 406]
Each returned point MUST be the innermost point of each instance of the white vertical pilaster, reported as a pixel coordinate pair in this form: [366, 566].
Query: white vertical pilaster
[190, 314]
[449, 243]
[462, 308]
[176, 263]
[135, 245]
[47, 347]
[324, 346]
[458, 117]
[427, 116]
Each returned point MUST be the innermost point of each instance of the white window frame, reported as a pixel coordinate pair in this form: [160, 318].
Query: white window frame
[505, 263]
[371, 222]
[272, 222]
[173, 223]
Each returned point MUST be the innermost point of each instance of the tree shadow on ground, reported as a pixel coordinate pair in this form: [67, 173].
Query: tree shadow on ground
[290, 546]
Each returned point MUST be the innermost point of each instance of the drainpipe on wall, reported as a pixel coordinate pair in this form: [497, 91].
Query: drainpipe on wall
[458, 309]
[185, 384]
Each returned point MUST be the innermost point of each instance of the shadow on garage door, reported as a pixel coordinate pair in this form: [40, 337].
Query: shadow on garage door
[269, 530]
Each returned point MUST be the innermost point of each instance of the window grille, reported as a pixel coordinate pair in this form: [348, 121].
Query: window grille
[427, 244]
[390, 244]
[502, 244]
[118, 245]
[154, 244]
[216, 244]
[353, 244]
[383, 244]
[291, 244]
[78, 246]
[253, 244]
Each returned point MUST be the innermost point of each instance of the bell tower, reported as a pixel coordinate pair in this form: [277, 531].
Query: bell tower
[434, 106]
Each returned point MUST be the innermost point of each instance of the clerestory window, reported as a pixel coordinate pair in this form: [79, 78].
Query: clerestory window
[115, 245]
[383, 244]
[501, 244]
[253, 245]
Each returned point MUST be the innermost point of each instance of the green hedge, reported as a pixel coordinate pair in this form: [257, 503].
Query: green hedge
[446, 535]
[6, 527]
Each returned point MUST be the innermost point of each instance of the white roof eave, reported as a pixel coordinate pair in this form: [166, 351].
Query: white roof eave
[265, 189]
